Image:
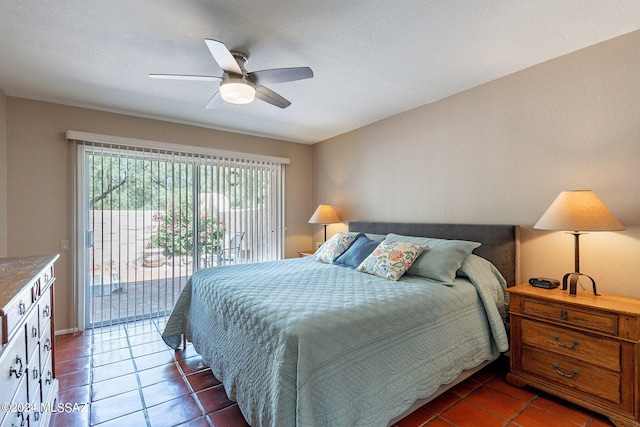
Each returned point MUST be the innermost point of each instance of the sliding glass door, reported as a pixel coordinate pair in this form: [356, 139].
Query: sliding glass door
[149, 218]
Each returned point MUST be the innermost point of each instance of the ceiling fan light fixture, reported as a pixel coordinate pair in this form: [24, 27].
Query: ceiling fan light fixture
[237, 86]
[237, 91]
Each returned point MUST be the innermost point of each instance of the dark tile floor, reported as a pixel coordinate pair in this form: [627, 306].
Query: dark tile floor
[127, 376]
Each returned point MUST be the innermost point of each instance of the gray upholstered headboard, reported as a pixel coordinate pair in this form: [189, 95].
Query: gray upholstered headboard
[500, 243]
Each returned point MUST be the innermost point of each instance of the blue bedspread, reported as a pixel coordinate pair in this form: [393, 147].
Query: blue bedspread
[301, 343]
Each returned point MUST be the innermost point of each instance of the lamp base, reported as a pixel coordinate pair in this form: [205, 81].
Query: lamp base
[572, 279]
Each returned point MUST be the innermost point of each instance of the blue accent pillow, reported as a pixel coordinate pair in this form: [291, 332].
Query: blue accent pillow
[357, 252]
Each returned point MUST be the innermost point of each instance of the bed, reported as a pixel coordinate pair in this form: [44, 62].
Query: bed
[299, 342]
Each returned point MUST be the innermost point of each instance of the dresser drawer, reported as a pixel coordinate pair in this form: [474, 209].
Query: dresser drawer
[15, 312]
[45, 347]
[584, 347]
[18, 401]
[571, 373]
[33, 334]
[35, 290]
[46, 376]
[33, 378]
[44, 309]
[13, 365]
[35, 417]
[588, 319]
[47, 275]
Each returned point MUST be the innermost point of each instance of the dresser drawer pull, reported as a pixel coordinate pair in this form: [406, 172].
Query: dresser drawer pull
[22, 423]
[47, 344]
[22, 308]
[46, 311]
[564, 315]
[561, 344]
[13, 371]
[575, 371]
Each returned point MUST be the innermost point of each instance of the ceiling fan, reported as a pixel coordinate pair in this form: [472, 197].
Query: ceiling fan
[238, 86]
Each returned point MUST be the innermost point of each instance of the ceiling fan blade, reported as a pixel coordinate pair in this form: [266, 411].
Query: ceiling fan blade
[185, 77]
[215, 101]
[223, 56]
[281, 75]
[269, 96]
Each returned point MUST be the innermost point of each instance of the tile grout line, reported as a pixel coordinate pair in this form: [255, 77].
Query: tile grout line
[537, 396]
[508, 421]
[135, 369]
[183, 376]
[90, 378]
[193, 393]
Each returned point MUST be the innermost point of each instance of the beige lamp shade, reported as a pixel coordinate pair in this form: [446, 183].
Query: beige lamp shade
[578, 210]
[324, 214]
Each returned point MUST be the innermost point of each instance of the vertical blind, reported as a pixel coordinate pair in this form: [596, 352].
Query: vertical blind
[150, 217]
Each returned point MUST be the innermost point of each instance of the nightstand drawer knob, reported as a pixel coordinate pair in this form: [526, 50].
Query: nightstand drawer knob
[561, 344]
[557, 368]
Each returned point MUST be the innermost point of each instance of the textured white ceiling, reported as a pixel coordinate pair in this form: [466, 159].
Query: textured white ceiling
[372, 59]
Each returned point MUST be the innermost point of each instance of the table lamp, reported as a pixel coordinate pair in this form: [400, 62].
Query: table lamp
[324, 215]
[577, 212]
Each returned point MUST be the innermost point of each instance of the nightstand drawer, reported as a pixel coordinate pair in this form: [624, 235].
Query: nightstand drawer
[584, 347]
[572, 373]
[576, 317]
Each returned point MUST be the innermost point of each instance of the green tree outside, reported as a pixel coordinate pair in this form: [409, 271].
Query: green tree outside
[124, 183]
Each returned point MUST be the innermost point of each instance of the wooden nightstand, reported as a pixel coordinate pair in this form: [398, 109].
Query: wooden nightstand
[306, 253]
[584, 348]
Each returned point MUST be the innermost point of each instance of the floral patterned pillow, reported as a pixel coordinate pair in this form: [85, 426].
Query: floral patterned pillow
[335, 246]
[390, 260]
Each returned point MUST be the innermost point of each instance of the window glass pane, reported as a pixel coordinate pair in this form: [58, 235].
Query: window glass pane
[158, 216]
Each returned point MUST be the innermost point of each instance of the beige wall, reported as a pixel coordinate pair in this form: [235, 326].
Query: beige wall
[3, 174]
[40, 178]
[501, 152]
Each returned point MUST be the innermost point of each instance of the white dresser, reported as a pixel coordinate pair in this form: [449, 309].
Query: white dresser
[27, 378]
